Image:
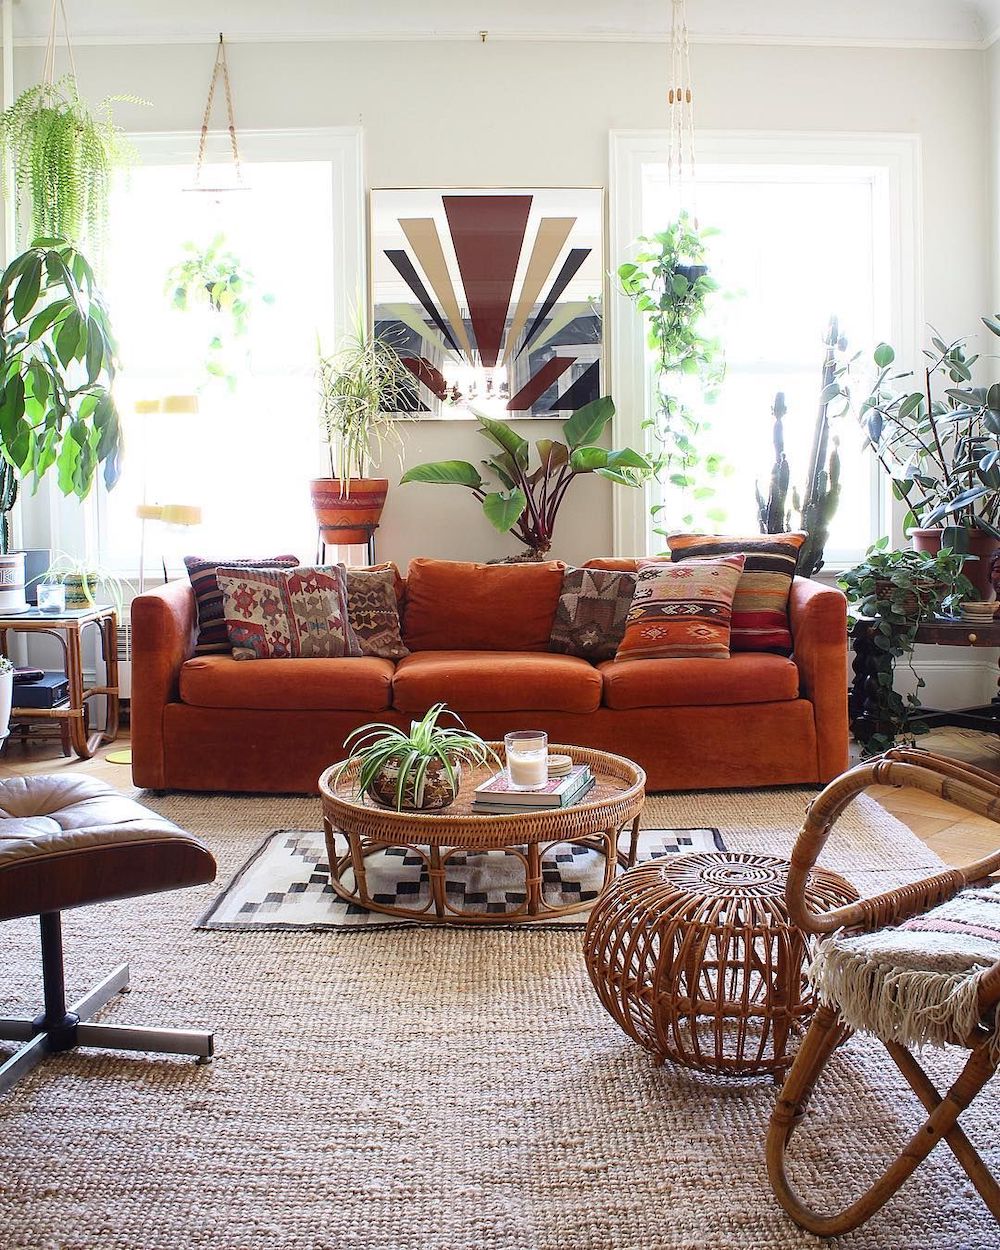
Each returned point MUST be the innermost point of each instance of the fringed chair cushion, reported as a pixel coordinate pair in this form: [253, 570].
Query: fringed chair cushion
[916, 984]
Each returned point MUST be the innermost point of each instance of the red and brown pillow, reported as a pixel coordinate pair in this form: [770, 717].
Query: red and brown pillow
[760, 609]
[681, 611]
[275, 614]
[590, 618]
[373, 610]
[203, 573]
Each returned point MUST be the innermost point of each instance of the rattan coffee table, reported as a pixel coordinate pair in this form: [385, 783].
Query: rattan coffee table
[614, 804]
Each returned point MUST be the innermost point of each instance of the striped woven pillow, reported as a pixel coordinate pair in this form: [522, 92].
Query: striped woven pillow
[760, 609]
[681, 612]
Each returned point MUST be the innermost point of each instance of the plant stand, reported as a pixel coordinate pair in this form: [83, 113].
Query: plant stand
[322, 543]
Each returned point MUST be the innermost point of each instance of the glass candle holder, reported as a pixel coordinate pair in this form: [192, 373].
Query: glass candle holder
[527, 759]
[51, 597]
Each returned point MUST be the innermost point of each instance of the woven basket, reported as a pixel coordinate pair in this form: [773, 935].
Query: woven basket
[913, 602]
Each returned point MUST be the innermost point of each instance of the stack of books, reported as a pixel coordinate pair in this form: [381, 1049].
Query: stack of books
[497, 797]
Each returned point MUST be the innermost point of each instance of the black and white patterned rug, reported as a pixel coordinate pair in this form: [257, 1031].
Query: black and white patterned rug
[286, 882]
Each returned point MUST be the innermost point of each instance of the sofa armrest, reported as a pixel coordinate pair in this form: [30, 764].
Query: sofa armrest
[164, 626]
[819, 630]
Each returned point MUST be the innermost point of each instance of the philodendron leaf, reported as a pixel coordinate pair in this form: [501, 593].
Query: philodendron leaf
[551, 455]
[502, 434]
[588, 422]
[445, 472]
[596, 459]
[503, 508]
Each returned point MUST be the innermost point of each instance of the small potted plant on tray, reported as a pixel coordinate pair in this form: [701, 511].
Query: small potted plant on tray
[415, 771]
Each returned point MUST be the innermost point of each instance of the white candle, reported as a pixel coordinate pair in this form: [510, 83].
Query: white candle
[527, 760]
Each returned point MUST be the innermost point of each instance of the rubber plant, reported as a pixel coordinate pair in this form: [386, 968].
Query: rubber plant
[897, 590]
[57, 367]
[669, 282]
[64, 155]
[527, 499]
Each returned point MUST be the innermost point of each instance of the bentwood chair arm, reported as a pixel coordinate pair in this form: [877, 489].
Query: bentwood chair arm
[966, 786]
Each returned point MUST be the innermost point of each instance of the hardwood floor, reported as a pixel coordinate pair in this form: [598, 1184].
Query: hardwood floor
[954, 835]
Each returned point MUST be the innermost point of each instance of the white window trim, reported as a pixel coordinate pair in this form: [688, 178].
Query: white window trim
[629, 150]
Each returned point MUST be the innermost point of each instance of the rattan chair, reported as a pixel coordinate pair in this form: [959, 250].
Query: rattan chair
[979, 1033]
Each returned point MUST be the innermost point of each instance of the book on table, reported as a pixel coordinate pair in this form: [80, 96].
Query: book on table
[498, 794]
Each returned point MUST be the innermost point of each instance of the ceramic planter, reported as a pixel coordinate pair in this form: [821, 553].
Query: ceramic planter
[981, 545]
[347, 513]
[435, 794]
[12, 582]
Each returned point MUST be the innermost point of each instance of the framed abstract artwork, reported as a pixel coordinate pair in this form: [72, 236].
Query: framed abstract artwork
[494, 299]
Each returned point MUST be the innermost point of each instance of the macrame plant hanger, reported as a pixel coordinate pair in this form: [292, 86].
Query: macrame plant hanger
[680, 115]
[49, 62]
[220, 69]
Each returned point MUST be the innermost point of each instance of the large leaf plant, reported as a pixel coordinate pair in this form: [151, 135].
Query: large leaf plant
[526, 499]
[57, 366]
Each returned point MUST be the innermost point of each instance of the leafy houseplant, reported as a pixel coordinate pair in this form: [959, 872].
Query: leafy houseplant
[529, 501]
[86, 583]
[669, 283]
[415, 771]
[941, 451]
[6, 695]
[898, 589]
[64, 155]
[363, 387]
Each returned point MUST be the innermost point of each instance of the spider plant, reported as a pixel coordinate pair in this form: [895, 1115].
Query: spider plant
[381, 749]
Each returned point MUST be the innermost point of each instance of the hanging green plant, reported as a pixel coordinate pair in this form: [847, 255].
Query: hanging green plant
[64, 156]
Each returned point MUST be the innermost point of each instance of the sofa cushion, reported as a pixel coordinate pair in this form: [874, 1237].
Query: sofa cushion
[276, 614]
[452, 605]
[212, 636]
[357, 684]
[745, 678]
[590, 618]
[373, 610]
[681, 611]
[496, 681]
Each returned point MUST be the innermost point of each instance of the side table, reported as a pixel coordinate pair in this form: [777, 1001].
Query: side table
[67, 628]
[942, 632]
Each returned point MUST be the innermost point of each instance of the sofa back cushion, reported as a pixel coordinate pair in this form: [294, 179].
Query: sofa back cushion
[453, 605]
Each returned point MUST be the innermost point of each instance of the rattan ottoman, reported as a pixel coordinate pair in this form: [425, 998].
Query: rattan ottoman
[697, 960]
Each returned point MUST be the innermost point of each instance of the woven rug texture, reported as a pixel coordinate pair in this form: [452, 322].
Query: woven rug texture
[435, 1089]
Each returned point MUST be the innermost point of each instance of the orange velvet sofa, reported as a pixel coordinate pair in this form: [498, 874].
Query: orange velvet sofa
[272, 726]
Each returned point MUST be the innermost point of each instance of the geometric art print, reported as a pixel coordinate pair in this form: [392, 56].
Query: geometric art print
[494, 299]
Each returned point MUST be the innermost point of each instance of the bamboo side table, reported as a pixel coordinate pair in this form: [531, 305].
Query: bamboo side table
[67, 628]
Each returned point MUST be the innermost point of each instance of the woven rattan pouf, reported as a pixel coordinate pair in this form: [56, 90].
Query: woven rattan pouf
[697, 960]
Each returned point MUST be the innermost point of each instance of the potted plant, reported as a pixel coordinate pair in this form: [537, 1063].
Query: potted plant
[362, 387]
[87, 584]
[897, 589]
[941, 451]
[528, 498]
[6, 695]
[416, 771]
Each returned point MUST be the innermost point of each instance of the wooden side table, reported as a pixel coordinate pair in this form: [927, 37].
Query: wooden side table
[941, 632]
[67, 628]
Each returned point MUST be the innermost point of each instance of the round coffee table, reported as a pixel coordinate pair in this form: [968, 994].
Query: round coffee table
[438, 837]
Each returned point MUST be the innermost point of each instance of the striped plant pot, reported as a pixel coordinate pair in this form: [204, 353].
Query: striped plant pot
[348, 512]
[12, 582]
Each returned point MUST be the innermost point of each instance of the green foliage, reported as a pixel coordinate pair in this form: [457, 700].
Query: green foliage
[8, 497]
[362, 388]
[528, 504]
[64, 156]
[899, 589]
[57, 367]
[669, 283]
[377, 745]
[940, 451]
[214, 278]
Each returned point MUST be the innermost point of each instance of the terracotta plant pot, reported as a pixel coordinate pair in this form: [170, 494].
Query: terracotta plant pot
[437, 791]
[347, 513]
[981, 544]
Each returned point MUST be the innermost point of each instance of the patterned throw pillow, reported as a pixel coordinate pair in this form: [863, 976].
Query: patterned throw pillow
[760, 609]
[681, 611]
[590, 618]
[208, 596]
[373, 609]
[276, 614]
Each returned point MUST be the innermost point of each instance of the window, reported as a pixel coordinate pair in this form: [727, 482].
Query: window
[804, 234]
[246, 455]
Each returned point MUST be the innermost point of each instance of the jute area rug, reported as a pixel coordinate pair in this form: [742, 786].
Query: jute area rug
[432, 1089]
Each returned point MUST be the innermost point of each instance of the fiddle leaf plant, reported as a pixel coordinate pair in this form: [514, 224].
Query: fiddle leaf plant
[57, 367]
[525, 499]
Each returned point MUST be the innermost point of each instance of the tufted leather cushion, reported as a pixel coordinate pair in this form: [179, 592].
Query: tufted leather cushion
[69, 841]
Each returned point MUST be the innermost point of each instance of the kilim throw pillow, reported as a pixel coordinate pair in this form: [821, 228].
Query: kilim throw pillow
[208, 597]
[373, 610]
[590, 618]
[760, 609]
[681, 611]
[276, 614]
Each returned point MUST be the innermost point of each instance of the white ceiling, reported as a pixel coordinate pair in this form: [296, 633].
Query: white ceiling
[956, 23]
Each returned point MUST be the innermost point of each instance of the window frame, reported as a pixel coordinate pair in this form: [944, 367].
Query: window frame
[896, 157]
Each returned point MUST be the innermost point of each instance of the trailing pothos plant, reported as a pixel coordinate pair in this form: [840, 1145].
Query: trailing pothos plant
[898, 589]
[530, 497]
[669, 283]
[57, 366]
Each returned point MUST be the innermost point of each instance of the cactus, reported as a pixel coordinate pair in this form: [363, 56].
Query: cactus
[822, 487]
[8, 497]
